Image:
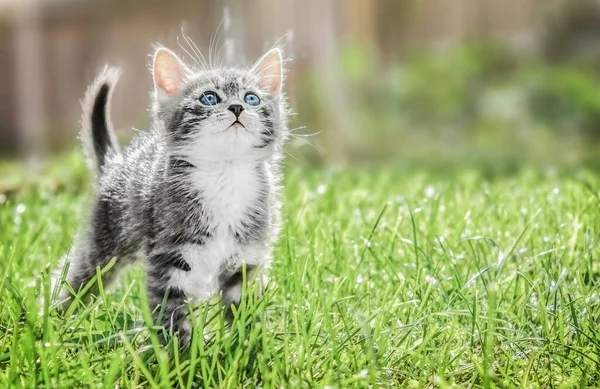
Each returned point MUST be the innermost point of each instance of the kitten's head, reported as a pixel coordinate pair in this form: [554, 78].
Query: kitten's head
[220, 114]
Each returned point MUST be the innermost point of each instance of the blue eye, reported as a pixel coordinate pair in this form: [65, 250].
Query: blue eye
[209, 98]
[251, 99]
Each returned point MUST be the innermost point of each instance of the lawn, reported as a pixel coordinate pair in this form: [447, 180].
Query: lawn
[382, 278]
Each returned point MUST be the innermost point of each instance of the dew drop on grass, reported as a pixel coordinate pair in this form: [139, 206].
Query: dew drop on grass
[359, 279]
[321, 189]
[429, 191]
[593, 299]
[362, 374]
[430, 279]
[533, 300]
[21, 208]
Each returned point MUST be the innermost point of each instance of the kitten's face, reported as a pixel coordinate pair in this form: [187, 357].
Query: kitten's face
[221, 114]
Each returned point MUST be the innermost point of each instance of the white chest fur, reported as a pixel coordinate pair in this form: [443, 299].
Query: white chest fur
[228, 191]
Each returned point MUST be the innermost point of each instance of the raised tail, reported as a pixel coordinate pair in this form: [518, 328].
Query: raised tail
[97, 132]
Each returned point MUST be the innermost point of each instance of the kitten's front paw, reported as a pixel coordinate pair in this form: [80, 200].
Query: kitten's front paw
[182, 334]
[176, 325]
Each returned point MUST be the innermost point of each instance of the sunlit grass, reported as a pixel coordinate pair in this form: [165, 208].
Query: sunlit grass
[381, 278]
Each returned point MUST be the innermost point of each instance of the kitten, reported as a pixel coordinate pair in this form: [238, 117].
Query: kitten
[196, 195]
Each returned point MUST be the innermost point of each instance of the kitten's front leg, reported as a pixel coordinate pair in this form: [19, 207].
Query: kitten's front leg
[231, 283]
[169, 303]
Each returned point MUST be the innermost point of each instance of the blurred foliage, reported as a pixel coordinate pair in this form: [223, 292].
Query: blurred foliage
[62, 173]
[569, 30]
[478, 103]
[566, 99]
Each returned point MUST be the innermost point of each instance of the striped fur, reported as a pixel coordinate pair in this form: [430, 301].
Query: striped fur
[97, 133]
[195, 195]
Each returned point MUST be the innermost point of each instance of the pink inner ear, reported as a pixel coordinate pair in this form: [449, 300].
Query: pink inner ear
[167, 73]
[270, 82]
[167, 79]
[168, 85]
[269, 70]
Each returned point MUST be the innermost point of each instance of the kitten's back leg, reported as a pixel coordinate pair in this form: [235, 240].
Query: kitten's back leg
[102, 241]
[82, 267]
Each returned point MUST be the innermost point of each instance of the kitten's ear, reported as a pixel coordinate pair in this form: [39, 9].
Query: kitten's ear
[169, 73]
[270, 72]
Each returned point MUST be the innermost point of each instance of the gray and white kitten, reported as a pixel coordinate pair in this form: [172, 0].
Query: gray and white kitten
[196, 195]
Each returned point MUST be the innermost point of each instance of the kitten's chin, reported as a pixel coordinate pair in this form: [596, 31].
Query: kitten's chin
[236, 144]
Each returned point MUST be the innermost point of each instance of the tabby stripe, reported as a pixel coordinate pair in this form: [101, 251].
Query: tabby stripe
[179, 163]
[173, 259]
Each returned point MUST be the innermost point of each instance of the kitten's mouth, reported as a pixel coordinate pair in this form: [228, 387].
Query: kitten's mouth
[236, 124]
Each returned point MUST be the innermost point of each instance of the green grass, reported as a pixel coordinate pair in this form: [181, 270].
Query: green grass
[381, 279]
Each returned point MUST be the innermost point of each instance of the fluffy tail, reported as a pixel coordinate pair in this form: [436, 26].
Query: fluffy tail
[97, 133]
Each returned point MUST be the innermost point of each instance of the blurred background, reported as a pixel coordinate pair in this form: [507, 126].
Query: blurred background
[439, 83]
